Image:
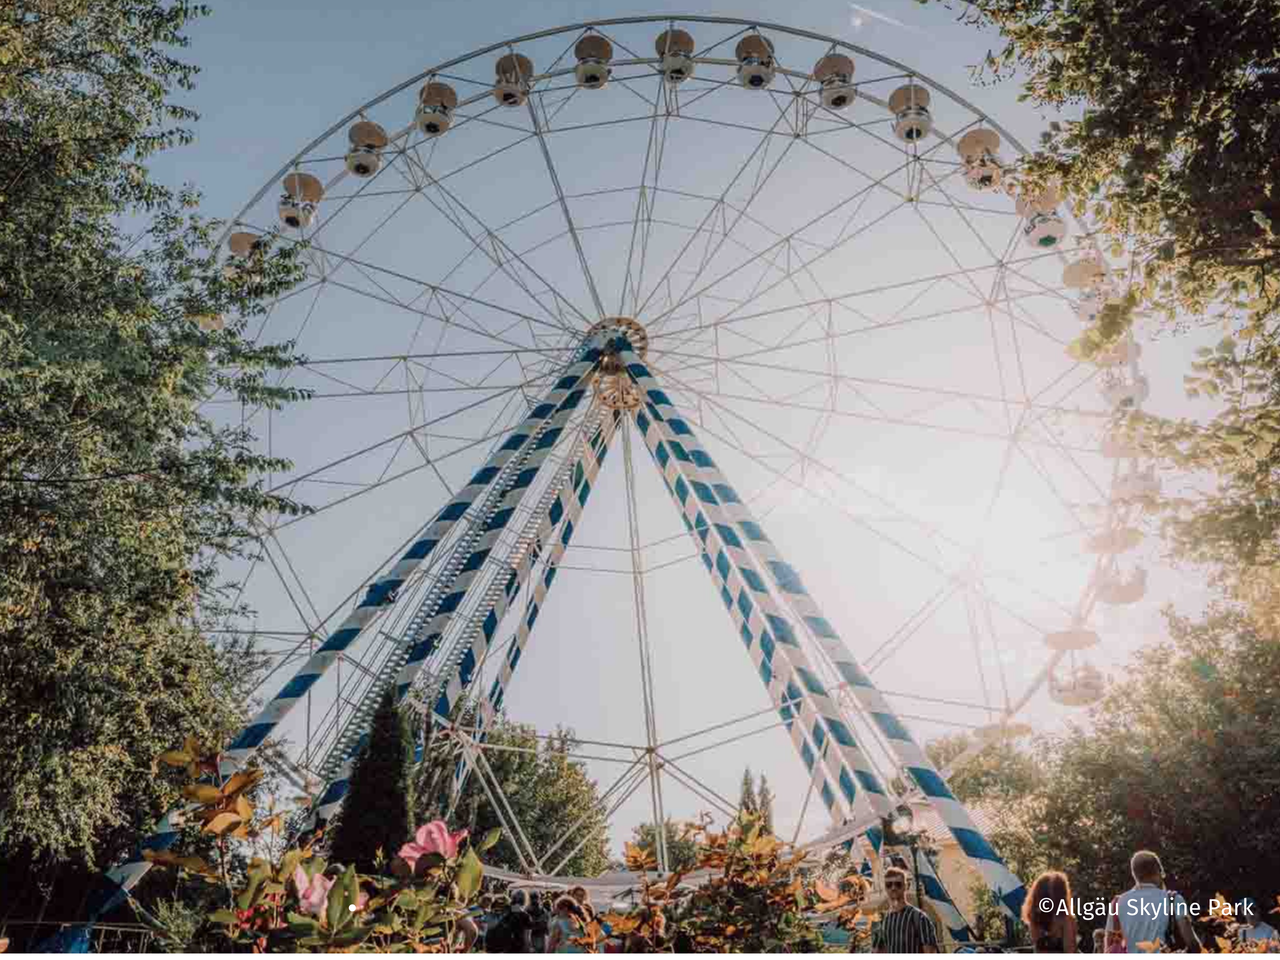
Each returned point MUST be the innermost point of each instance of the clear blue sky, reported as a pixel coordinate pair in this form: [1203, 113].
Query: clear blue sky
[274, 75]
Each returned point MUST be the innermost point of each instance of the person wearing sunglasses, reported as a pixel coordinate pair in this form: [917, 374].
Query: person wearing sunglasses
[902, 927]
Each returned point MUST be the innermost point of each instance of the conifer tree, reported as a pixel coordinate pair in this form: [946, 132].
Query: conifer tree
[764, 804]
[747, 802]
[375, 814]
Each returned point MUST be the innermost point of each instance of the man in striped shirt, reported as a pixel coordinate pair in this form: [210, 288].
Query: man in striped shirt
[902, 927]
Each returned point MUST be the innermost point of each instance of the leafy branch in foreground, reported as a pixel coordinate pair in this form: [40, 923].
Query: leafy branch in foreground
[295, 901]
[757, 899]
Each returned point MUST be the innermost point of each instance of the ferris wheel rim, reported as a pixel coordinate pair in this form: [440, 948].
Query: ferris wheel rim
[359, 112]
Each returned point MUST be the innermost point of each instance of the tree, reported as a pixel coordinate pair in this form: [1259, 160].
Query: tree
[747, 796]
[682, 848]
[375, 813]
[1180, 758]
[756, 800]
[1000, 774]
[757, 899]
[764, 800]
[548, 790]
[117, 493]
[1173, 161]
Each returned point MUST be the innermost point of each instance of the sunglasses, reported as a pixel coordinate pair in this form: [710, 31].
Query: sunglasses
[895, 885]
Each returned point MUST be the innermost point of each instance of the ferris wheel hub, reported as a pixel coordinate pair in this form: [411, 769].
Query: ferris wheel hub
[613, 386]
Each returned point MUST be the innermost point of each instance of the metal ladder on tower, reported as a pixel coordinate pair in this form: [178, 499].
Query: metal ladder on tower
[345, 744]
[461, 642]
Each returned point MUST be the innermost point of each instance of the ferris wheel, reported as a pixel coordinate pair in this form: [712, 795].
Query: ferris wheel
[783, 284]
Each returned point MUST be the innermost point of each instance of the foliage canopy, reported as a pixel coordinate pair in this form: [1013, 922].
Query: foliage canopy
[548, 790]
[1169, 147]
[118, 489]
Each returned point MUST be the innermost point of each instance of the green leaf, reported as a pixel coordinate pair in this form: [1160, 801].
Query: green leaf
[490, 838]
[223, 916]
[352, 938]
[249, 895]
[288, 863]
[420, 918]
[470, 873]
[339, 899]
[302, 925]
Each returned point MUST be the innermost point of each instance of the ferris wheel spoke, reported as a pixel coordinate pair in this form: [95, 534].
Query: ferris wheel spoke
[962, 273]
[712, 86]
[939, 184]
[828, 470]
[355, 389]
[1044, 289]
[917, 620]
[268, 552]
[283, 375]
[782, 245]
[1016, 441]
[886, 384]
[951, 204]
[538, 128]
[1010, 306]
[728, 320]
[417, 388]
[975, 641]
[628, 84]
[1053, 487]
[646, 197]
[441, 292]
[876, 183]
[762, 461]
[1001, 285]
[347, 458]
[716, 209]
[1068, 453]
[494, 237]
[985, 298]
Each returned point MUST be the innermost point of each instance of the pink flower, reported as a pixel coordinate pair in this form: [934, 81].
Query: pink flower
[313, 894]
[433, 837]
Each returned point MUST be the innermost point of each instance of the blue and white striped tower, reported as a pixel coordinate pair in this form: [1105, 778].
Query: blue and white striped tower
[875, 800]
[679, 455]
[736, 566]
[445, 608]
[776, 672]
[569, 501]
[1007, 888]
[564, 516]
[378, 598]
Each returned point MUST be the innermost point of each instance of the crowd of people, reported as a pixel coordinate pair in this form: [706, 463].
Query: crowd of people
[532, 921]
[1147, 913]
